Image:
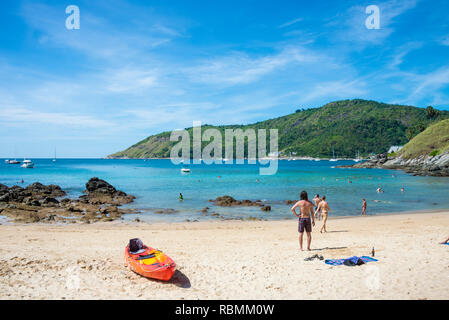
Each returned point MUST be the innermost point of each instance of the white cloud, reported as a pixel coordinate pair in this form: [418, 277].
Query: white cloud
[336, 90]
[13, 114]
[129, 80]
[434, 80]
[402, 52]
[239, 68]
[97, 37]
[289, 23]
[445, 41]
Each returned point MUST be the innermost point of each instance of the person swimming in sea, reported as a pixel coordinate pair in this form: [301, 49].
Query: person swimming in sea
[324, 207]
[306, 218]
[364, 207]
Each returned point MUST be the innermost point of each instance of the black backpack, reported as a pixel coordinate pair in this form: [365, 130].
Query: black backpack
[354, 261]
[135, 245]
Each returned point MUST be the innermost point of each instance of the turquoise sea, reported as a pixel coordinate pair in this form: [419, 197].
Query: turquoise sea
[157, 184]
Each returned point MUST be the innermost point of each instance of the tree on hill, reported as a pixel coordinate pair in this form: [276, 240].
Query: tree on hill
[432, 113]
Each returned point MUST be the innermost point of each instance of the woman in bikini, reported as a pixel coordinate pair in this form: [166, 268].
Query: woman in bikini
[324, 207]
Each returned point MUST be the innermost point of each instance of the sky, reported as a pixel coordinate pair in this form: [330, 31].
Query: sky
[136, 68]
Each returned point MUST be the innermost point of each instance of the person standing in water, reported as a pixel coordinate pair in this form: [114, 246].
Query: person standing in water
[364, 207]
[305, 216]
[324, 207]
[181, 197]
[317, 200]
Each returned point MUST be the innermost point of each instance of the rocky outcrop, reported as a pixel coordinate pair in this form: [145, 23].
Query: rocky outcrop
[39, 203]
[228, 201]
[100, 192]
[34, 193]
[423, 166]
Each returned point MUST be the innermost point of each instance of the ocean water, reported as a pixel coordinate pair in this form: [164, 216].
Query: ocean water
[157, 184]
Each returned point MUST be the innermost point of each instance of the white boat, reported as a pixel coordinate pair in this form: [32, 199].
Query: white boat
[357, 158]
[317, 159]
[6, 161]
[27, 164]
[185, 170]
[12, 161]
[54, 159]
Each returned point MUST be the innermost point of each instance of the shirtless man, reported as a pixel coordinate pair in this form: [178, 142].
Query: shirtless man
[324, 207]
[306, 213]
[317, 200]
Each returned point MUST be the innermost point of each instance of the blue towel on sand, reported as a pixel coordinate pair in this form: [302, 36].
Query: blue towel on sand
[447, 243]
[339, 262]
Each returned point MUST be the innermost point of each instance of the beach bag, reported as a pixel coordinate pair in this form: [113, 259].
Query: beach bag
[135, 245]
[353, 261]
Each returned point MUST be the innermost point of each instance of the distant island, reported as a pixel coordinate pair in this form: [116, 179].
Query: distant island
[342, 128]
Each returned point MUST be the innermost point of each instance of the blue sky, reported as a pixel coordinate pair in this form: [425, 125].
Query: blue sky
[136, 68]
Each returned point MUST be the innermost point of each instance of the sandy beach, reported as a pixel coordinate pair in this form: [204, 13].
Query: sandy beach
[230, 260]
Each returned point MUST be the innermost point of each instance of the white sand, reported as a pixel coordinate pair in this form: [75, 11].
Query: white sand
[230, 260]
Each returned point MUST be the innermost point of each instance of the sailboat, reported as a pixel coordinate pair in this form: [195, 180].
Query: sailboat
[54, 159]
[357, 159]
[13, 161]
[333, 156]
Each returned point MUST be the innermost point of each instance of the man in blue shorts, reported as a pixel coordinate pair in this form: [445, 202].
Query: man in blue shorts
[305, 217]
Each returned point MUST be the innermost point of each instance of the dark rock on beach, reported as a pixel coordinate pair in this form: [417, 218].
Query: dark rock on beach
[100, 192]
[39, 203]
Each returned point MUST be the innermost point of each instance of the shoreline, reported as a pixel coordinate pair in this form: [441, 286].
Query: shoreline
[221, 221]
[229, 260]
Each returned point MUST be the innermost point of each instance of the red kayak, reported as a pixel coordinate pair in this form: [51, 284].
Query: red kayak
[150, 263]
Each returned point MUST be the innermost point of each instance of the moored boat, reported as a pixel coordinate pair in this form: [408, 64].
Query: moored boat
[27, 164]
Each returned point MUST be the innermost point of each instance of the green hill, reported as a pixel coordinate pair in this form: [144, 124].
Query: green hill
[347, 127]
[432, 141]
